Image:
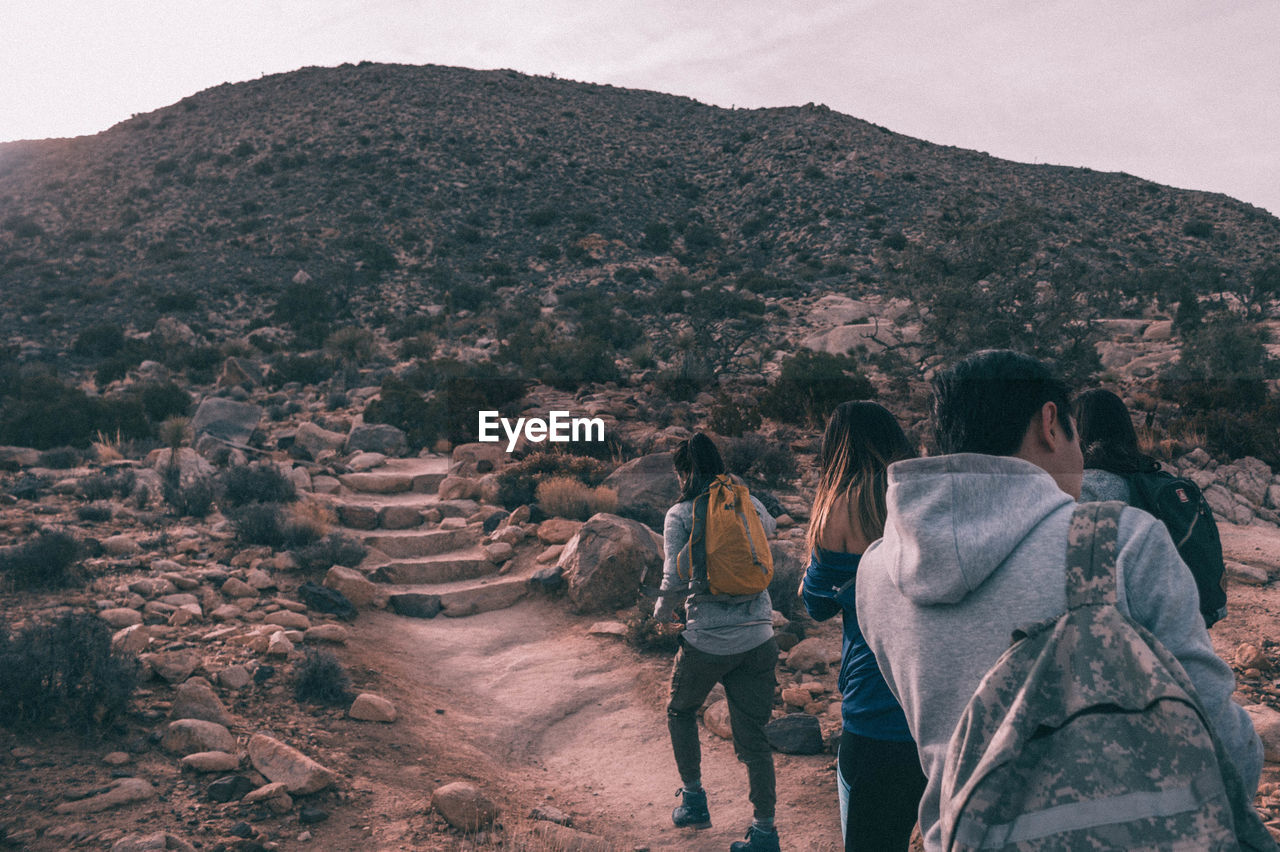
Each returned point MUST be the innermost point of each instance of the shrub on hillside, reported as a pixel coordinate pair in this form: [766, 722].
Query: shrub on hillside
[44, 562]
[734, 416]
[518, 483]
[61, 458]
[63, 675]
[399, 404]
[162, 400]
[104, 486]
[101, 340]
[351, 343]
[303, 369]
[190, 499]
[566, 497]
[760, 461]
[811, 385]
[260, 483]
[276, 525]
[320, 679]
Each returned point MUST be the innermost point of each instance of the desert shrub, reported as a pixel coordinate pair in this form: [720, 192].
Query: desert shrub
[785, 585]
[63, 675]
[399, 404]
[573, 364]
[303, 369]
[351, 343]
[734, 416]
[162, 400]
[760, 461]
[421, 345]
[28, 486]
[566, 497]
[811, 385]
[101, 340]
[276, 525]
[333, 549]
[462, 389]
[191, 499]
[94, 513]
[320, 679]
[518, 483]
[61, 458]
[686, 380]
[261, 483]
[1198, 228]
[44, 562]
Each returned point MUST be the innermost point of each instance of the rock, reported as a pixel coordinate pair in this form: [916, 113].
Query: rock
[356, 587]
[812, 655]
[237, 588]
[1250, 575]
[238, 372]
[372, 708]
[131, 640]
[716, 718]
[1250, 478]
[161, 841]
[463, 806]
[188, 736]
[333, 633]
[1158, 330]
[172, 331]
[195, 699]
[125, 791]
[226, 419]
[361, 462]
[229, 788]
[119, 617]
[551, 835]
[377, 438]
[288, 620]
[558, 530]
[1266, 722]
[608, 628]
[499, 552]
[116, 758]
[120, 545]
[416, 605]
[211, 761]
[258, 579]
[275, 795]
[358, 516]
[301, 479]
[227, 612]
[310, 815]
[458, 488]
[311, 441]
[324, 599]
[13, 458]
[796, 697]
[173, 667]
[279, 762]
[477, 458]
[795, 733]
[235, 677]
[279, 645]
[608, 560]
[550, 813]
[551, 554]
[400, 517]
[325, 484]
[646, 486]
[1251, 657]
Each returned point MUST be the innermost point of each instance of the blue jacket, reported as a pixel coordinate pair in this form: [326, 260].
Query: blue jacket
[868, 707]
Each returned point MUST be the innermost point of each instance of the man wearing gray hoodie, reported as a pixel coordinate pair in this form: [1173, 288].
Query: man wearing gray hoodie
[975, 545]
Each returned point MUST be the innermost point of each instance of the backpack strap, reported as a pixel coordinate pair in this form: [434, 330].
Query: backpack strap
[1092, 542]
[698, 545]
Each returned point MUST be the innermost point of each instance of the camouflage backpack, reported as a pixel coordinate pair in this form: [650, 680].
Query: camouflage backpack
[1087, 734]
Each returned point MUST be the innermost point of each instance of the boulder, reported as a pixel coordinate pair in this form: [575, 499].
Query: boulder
[813, 655]
[499, 552]
[131, 640]
[1250, 478]
[608, 560]
[795, 733]
[226, 419]
[311, 441]
[239, 372]
[458, 488]
[463, 806]
[477, 458]
[173, 332]
[279, 762]
[188, 736]
[356, 587]
[646, 487]
[377, 438]
[372, 708]
[197, 700]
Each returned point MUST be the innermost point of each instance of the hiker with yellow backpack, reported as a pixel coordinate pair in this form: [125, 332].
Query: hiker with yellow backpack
[718, 559]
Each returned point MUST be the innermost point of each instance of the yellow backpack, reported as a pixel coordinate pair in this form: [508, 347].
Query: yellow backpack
[727, 553]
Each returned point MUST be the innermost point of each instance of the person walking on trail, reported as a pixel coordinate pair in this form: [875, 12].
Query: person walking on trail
[727, 639]
[879, 778]
[975, 545]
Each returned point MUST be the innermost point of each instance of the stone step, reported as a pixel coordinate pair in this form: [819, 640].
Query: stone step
[459, 565]
[416, 545]
[392, 482]
[372, 516]
[458, 600]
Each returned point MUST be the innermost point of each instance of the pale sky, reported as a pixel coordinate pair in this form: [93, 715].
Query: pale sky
[1182, 92]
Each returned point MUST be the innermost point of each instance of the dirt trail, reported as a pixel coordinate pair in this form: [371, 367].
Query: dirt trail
[548, 713]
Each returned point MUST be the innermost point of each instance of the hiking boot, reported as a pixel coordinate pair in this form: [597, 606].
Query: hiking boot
[758, 840]
[692, 813]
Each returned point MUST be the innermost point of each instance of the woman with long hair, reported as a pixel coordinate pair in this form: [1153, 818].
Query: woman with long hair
[727, 639]
[880, 779]
[1110, 446]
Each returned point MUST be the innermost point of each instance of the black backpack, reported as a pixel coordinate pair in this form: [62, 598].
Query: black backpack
[1178, 503]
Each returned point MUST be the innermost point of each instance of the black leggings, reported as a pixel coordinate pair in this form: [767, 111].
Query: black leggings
[885, 785]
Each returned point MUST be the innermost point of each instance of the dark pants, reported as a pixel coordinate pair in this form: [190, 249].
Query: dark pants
[885, 785]
[749, 682]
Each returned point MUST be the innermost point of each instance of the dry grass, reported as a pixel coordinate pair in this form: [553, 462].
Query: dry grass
[311, 515]
[1164, 444]
[566, 497]
[107, 449]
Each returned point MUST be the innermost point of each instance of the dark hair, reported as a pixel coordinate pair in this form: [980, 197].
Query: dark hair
[1107, 435]
[698, 462]
[861, 441]
[984, 403]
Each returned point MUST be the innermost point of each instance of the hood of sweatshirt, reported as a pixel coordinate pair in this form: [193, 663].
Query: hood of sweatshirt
[967, 512]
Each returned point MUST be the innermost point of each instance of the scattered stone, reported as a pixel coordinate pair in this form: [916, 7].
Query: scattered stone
[499, 552]
[120, 545]
[197, 700]
[1250, 575]
[463, 806]
[369, 707]
[333, 633]
[275, 795]
[119, 617]
[289, 620]
[416, 605]
[558, 530]
[161, 841]
[124, 791]
[608, 628]
[227, 612]
[278, 645]
[173, 667]
[796, 696]
[457, 488]
[259, 579]
[280, 762]
[325, 484]
[811, 655]
[211, 761]
[795, 733]
[550, 813]
[553, 836]
[237, 588]
[116, 758]
[551, 554]
[229, 788]
[361, 462]
[188, 736]
[131, 640]
[716, 719]
[356, 587]
[1251, 657]
[608, 560]
[310, 815]
[325, 599]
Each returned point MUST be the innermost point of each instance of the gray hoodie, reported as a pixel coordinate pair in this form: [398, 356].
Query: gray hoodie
[974, 546]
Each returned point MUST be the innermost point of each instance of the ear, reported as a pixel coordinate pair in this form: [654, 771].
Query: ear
[1045, 430]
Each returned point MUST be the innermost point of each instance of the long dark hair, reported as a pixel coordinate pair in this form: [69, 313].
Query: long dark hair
[697, 462]
[1107, 436]
[861, 441]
